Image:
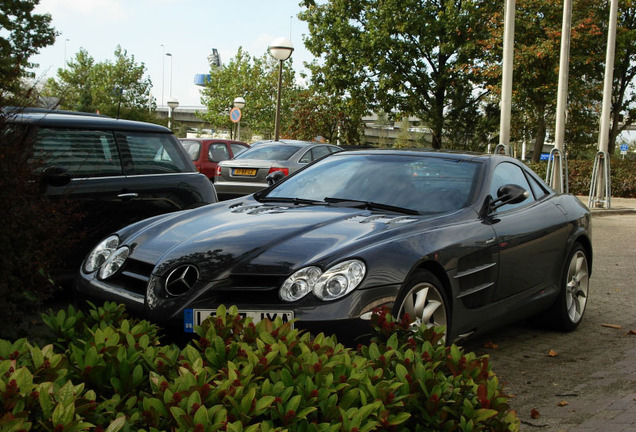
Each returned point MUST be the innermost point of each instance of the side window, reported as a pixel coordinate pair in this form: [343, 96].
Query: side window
[218, 152]
[82, 153]
[319, 152]
[306, 158]
[238, 149]
[153, 153]
[538, 189]
[508, 173]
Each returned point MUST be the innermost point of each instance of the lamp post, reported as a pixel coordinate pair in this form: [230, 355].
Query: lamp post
[239, 103]
[170, 93]
[163, 70]
[281, 49]
[173, 103]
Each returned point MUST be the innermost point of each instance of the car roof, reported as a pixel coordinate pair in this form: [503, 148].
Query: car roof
[460, 155]
[216, 140]
[77, 120]
[293, 142]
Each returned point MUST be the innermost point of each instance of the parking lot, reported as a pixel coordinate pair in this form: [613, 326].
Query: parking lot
[585, 380]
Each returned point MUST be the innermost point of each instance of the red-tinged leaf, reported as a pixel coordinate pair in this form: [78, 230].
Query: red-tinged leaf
[535, 414]
[631, 332]
[552, 353]
[490, 344]
[563, 403]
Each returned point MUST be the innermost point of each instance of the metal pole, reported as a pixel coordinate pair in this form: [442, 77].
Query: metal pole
[280, 84]
[163, 70]
[506, 83]
[564, 66]
[603, 141]
[600, 191]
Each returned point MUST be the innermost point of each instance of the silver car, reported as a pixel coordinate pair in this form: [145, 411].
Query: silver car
[247, 172]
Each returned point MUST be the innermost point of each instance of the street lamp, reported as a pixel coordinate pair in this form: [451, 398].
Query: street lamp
[281, 49]
[239, 103]
[173, 103]
[170, 94]
[163, 70]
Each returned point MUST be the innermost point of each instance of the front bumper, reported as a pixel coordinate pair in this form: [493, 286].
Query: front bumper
[341, 317]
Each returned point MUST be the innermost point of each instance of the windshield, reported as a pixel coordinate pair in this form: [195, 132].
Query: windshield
[424, 184]
[274, 152]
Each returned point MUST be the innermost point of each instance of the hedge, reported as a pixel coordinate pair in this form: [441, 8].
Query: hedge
[102, 371]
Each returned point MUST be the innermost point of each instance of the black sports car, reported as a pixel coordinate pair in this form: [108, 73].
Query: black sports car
[463, 240]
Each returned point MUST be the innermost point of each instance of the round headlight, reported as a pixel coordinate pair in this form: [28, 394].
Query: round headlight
[114, 263]
[340, 280]
[299, 284]
[100, 254]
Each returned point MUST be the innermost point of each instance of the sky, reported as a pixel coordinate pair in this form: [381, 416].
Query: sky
[187, 29]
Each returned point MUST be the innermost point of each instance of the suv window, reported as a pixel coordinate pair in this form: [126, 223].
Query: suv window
[152, 153]
[82, 153]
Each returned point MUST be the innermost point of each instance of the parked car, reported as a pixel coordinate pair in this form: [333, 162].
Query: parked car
[115, 172]
[206, 153]
[466, 241]
[247, 172]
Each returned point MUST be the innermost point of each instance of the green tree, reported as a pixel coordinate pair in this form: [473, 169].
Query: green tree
[408, 56]
[256, 80]
[22, 35]
[116, 88]
[315, 113]
[538, 26]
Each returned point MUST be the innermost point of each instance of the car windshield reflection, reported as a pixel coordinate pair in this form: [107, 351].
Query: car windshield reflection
[409, 184]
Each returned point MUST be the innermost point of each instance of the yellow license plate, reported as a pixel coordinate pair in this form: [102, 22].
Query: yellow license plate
[244, 172]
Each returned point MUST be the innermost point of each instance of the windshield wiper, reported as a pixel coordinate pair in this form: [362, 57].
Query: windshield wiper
[295, 201]
[369, 205]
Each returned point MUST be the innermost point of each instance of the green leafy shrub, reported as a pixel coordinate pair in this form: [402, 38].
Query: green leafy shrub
[102, 371]
[33, 230]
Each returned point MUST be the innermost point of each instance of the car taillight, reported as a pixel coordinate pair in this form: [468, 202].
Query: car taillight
[283, 170]
[217, 171]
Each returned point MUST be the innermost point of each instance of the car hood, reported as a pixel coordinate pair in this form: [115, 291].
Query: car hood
[245, 236]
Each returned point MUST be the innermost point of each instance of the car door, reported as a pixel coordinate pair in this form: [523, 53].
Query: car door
[530, 234]
[92, 161]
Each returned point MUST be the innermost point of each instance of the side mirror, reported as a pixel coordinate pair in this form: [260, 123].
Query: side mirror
[55, 176]
[509, 194]
[274, 177]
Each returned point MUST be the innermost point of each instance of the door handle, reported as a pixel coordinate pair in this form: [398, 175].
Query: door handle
[126, 196]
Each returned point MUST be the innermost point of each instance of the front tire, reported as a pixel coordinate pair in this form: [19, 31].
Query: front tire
[424, 300]
[568, 310]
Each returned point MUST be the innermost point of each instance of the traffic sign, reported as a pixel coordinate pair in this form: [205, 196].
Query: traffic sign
[235, 115]
[624, 148]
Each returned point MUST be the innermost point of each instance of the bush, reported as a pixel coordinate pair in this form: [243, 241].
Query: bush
[622, 173]
[104, 371]
[33, 231]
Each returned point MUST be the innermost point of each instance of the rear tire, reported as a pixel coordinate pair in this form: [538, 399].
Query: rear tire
[567, 312]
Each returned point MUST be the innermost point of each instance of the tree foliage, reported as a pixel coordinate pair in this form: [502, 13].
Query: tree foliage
[538, 25]
[22, 35]
[408, 56]
[115, 88]
[256, 80]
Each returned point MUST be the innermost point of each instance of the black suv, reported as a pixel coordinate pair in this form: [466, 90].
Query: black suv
[116, 171]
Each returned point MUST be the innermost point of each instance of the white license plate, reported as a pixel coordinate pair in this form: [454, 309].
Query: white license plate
[194, 317]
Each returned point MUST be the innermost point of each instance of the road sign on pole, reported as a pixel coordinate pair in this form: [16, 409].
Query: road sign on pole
[235, 115]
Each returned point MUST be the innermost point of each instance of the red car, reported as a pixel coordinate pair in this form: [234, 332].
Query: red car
[207, 152]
